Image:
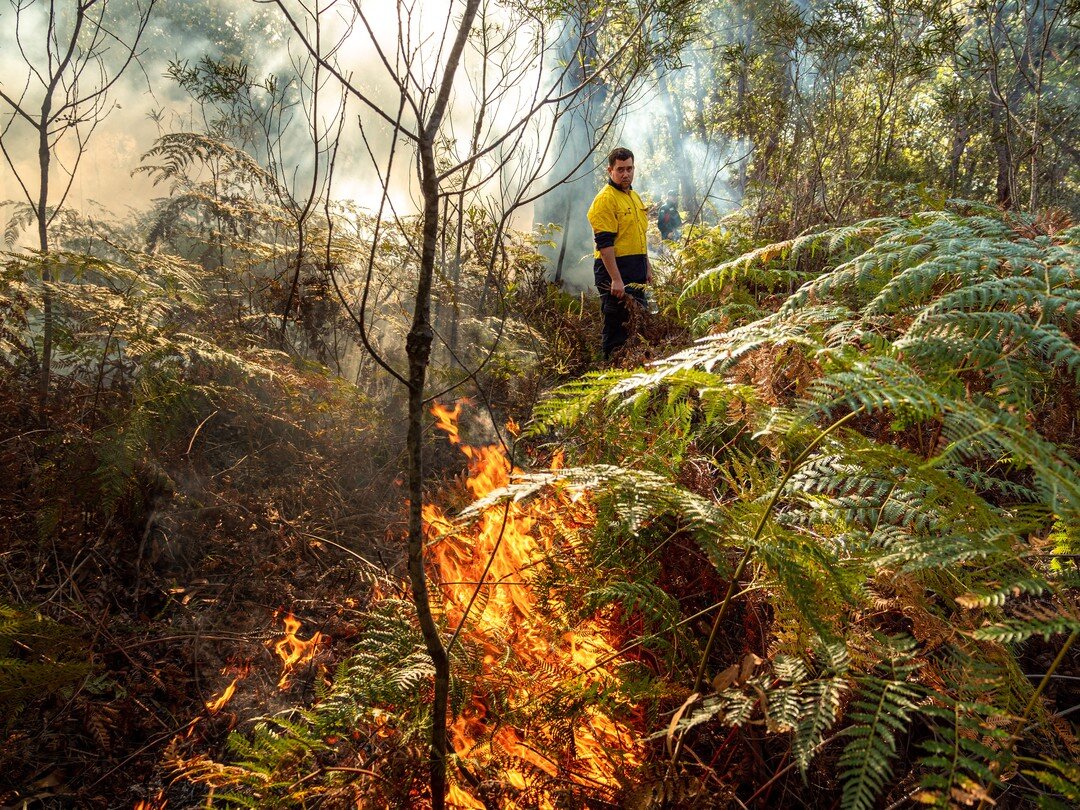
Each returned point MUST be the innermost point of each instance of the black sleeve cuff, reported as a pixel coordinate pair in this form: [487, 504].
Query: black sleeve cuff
[604, 239]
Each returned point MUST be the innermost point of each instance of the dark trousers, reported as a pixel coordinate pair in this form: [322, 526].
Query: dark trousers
[615, 316]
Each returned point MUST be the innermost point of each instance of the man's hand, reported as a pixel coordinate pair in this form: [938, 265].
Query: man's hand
[607, 256]
[648, 272]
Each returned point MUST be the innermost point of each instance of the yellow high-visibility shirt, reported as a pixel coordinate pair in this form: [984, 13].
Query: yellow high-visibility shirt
[623, 214]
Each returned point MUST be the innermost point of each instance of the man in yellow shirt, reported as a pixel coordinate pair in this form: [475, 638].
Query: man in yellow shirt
[619, 219]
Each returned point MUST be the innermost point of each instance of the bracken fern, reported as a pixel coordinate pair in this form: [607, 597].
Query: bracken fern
[913, 461]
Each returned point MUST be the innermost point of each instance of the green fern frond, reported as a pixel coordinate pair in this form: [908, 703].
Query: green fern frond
[948, 335]
[909, 554]
[658, 608]
[181, 151]
[714, 354]
[959, 760]
[821, 705]
[757, 266]
[636, 490]
[573, 401]
[968, 744]
[885, 384]
[881, 711]
[810, 575]
[38, 657]
[1022, 585]
[1061, 777]
[1043, 620]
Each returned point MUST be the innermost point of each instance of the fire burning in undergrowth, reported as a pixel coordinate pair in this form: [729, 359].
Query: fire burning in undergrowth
[158, 802]
[487, 573]
[537, 695]
[217, 704]
[293, 651]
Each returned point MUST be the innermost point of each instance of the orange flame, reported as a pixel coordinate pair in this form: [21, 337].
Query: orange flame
[217, 704]
[447, 420]
[159, 802]
[293, 651]
[503, 549]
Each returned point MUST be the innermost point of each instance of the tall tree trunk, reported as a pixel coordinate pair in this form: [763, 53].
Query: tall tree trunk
[1039, 30]
[678, 147]
[42, 212]
[418, 348]
[960, 137]
[1002, 152]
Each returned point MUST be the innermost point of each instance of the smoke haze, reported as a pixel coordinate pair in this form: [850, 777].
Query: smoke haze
[146, 103]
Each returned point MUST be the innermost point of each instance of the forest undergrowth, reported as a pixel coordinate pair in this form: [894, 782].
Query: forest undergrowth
[316, 494]
[185, 488]
[812, 540]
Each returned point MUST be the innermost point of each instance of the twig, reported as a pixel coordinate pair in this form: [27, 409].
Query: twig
[196, 433]
[153, 742]
[780, 773]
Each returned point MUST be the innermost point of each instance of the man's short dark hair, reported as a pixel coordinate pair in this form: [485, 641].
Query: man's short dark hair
[619, 153]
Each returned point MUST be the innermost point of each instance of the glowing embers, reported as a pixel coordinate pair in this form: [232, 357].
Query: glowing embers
[527, 662]
[293, 651]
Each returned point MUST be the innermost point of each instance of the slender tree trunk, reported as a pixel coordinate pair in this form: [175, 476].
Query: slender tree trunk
[562, 247]
[1000, 127]
[294, 285]
[960, 138]
[742, 87]
[455, 270]
[1033, 197]
[999, 137]
[699, 103]
[459, 244]
[675, 127]
[42, 212]
[1040, 30]
[418, 348]
[44, 156]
